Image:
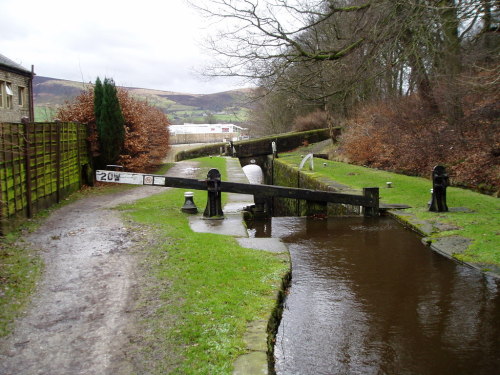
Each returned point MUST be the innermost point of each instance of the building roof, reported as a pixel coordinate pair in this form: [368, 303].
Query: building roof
[5, 62]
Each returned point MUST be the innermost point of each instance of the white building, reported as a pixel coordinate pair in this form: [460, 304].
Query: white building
[206, 133]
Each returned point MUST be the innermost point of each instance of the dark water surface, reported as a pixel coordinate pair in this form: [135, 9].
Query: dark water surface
[368, 298]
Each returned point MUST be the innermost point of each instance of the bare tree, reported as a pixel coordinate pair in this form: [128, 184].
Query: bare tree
[272, 113]
[336, 54]
[261, 39]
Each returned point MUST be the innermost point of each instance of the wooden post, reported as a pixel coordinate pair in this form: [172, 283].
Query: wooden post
[79, 159]
[27, 163]
[16, 162]
[372, 196]
[58, 161]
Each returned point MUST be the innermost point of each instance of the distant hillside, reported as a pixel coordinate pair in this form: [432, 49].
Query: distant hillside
[223, 107]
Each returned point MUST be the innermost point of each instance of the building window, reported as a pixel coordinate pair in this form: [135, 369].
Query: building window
[21, 96]
[2, 95]
[8, 94]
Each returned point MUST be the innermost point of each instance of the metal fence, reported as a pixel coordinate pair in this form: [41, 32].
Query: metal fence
[40, 164]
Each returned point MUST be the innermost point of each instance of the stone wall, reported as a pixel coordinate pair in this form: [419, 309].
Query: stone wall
[284, 142]
[205, 150]
[16, 111]
[280, 173]
[260, 146]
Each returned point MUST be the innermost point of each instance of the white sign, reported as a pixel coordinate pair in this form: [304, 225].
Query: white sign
[158, 180]
[129, 178]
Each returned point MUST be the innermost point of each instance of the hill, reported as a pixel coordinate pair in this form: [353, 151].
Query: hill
[223, 107]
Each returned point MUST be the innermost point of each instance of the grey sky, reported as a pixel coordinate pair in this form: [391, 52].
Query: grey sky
[149, 43]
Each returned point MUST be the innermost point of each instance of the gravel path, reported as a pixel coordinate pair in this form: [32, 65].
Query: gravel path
[78, 318]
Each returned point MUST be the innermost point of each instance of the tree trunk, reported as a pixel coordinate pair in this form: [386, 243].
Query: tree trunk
[452, 64]
[487, 17]
[420, 76]
[423, 83]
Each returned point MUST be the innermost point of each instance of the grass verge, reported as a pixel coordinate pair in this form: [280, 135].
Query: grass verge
[20, 268]
[207, 288]
[480, 222]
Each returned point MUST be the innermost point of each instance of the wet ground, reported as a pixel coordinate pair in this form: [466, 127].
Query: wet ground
[368, 298]
[78, 319]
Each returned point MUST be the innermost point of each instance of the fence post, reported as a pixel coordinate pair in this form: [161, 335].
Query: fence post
[78, 157]
[372, 196]
[58, 161]
[27, 164]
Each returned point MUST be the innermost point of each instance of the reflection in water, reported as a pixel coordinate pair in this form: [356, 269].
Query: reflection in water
[368, 298]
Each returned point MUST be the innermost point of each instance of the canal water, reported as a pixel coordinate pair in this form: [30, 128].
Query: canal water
[368, 298]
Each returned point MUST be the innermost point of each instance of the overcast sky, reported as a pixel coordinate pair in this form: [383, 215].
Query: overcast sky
[148, 43]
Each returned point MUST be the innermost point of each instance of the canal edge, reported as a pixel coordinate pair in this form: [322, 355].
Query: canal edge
[446, 246]
[260, 334]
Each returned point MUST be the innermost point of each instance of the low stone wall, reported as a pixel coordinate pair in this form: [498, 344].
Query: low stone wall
[205, 150]
[260, 146]
[284, 142]
[282, 174]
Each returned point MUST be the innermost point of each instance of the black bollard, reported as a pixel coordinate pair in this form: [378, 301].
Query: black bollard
[440, 182]
[214, 202]
[189, 207]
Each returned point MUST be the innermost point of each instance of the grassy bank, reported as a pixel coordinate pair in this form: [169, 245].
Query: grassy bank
[205, 288]
[20, 268]
[472, 215]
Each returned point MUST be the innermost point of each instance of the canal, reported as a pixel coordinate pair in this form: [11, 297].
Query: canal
[367, 297]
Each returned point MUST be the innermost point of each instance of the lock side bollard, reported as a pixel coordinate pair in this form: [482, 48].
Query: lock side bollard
[440, 181]
[213, 210]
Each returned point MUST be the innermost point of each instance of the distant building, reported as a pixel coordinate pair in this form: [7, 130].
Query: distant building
[206, 133]
[16, 91]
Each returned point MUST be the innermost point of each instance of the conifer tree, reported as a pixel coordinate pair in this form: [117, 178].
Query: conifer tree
[110, 122]
[98, 94]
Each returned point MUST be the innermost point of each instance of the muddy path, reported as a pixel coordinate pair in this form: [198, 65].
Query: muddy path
[80, 316]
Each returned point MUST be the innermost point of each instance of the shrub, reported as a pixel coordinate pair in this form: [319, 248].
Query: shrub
[399, 135]
[314, 120]
[146, 129]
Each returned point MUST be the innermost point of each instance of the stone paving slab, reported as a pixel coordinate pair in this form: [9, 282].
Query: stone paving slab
[231, 225]
[273, 245]
[254, 363]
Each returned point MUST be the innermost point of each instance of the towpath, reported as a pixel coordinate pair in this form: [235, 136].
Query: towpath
[78, 319]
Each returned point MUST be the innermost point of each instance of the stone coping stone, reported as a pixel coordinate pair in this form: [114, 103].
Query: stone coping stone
[256, 336]
[231, 225]
[450, 245]
[272, 245]
[253, 363]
